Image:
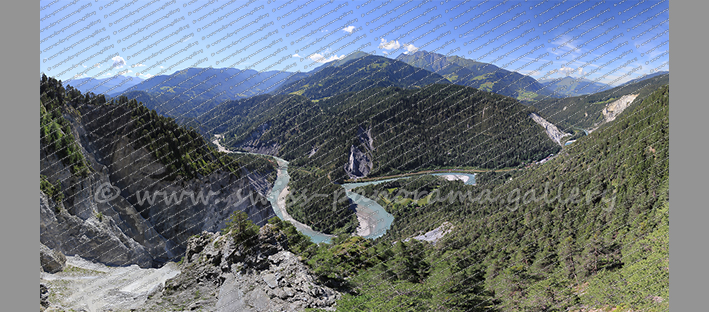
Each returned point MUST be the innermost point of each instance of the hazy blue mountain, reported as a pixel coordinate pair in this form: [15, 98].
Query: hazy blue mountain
[115, 84]
[570, 86]
[193, 91]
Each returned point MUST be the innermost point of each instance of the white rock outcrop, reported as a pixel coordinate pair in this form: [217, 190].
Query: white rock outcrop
[552, 131]
[612, 110]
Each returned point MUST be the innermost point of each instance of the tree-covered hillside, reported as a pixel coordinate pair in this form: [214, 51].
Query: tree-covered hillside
[432, 127]
[182, 150]
[588, 230]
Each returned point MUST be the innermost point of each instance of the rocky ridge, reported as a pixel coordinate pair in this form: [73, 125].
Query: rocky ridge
[218, 274]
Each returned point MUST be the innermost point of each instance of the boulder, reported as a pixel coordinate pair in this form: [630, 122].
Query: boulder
[51, 261]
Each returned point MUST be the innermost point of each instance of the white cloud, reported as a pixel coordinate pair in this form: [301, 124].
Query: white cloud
[296, 55]
[97, 65]
[567, 71]
[83, 65]
[118, 62]
[385, 52]
[162, 67]
[410, 48]
[391, 45]
[139, 65]
[108, 74]
[317, 57]
[146, 76]
[348, 29]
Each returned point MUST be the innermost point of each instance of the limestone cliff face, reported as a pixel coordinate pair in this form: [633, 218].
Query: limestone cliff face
[218, 274]
[106, 217]
[360, 163]
[612, 110]
[552, 131]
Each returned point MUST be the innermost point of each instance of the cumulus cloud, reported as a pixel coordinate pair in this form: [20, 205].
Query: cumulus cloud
[348, 29]
[118, 62]
[139, 65]
[317, 57]
[410, 48]
[296, 55]
[391, 45]
[145, 76]
[567, 71]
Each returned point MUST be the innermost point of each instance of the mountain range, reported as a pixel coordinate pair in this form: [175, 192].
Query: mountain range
[108, 86]
[570, 86]
[191, 92]
[478, 75]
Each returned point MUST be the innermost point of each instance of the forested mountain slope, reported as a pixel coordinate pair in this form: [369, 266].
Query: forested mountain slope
[588, 230]
[398, 130]
[103, 168]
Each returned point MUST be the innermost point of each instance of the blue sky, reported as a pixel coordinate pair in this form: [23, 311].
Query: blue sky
[608, 41]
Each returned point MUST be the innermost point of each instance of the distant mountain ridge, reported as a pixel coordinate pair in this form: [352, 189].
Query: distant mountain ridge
[478, 75]
[570, 86]
[359, 73]
[648, 76]
[115, 84]
[193, 91]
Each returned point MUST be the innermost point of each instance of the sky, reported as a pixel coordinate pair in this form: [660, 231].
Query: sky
[605, 41]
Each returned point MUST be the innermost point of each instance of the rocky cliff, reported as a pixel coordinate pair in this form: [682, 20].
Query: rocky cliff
[612, 110]
[552, 131]
[219, 274]
[360, 164]
[128, 210]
